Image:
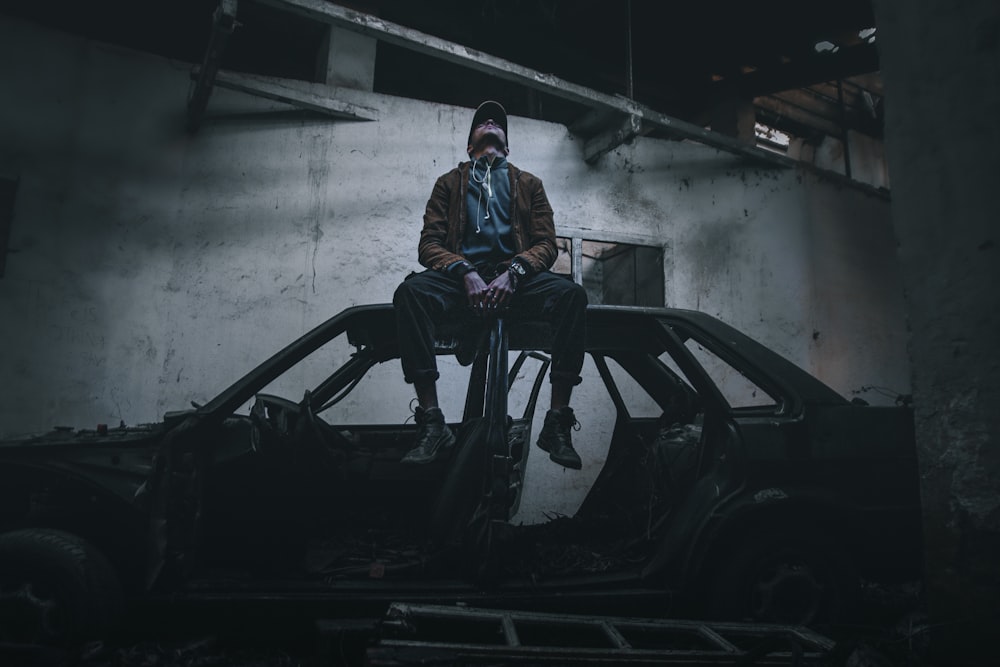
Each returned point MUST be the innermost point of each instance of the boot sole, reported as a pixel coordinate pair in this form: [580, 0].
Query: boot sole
[572, 464]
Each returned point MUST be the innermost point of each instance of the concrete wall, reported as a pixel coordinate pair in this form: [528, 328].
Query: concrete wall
[150, 268]
[941, 66]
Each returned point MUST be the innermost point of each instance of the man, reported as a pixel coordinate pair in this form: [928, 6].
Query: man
[487, 243]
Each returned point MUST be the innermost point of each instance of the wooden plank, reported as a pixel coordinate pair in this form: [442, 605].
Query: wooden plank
[607, 141]
[810, 101]
[414, 40]
[509, 631]
[592, 121]
[798, 115]
[223, 24]
[302, 94]
[616, 637]
[717, 639]
[436, 611]
[444, 652]
[813, 639]
[406, 617]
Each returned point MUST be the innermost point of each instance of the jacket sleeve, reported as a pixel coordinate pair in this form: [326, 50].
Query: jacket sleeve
[432, 251]
[540, 248]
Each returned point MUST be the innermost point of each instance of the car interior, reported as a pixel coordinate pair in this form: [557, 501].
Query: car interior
[313, 488]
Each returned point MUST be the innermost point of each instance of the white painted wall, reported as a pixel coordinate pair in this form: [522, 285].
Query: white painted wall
[150, 268]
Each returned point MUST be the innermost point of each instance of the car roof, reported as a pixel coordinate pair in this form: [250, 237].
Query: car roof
[609, 327]
[760, 357]
[633, 327]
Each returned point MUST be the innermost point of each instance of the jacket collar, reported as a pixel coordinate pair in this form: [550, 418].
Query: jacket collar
[499, 162]
[464, 167]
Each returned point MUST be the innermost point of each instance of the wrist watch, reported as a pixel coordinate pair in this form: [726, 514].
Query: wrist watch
[517, 272]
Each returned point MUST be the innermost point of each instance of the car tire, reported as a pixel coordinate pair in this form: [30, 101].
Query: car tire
[55, 588]
[782, 576]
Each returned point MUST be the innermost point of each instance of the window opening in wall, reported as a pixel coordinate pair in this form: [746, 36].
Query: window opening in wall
[771, 139]
[613, 273]
[622, 274]
[8, 188]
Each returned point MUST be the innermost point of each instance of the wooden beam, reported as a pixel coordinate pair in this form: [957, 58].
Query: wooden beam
[609, 140]
[414, 40]
[807, 71]
[346, 58]
[798, 115]
[223, 24]
[317, 97]
[593, 121]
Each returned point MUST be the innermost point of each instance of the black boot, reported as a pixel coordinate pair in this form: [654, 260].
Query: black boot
[557, 440]
[433, 437]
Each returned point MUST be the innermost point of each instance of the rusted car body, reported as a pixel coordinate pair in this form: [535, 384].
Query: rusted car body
[748, 490]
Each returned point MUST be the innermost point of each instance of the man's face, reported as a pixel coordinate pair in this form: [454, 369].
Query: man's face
[488, 132]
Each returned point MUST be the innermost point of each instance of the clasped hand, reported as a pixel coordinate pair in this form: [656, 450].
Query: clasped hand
[490, 298]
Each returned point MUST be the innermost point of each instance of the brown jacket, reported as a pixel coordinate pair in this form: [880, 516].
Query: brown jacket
[445, 218]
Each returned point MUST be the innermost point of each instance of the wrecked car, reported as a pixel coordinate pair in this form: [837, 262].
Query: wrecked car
[730, 484]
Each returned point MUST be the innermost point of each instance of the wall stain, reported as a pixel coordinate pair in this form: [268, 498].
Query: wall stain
[319, 173]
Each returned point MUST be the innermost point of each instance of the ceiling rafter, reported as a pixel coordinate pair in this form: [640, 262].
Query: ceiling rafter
[635, 116]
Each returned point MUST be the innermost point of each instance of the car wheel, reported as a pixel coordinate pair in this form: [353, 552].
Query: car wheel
[55, 588]
[782, 577]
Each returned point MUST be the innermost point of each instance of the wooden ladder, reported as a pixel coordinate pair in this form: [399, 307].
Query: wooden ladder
[416, 633]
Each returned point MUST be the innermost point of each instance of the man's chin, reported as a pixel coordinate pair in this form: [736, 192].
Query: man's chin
[493, 142]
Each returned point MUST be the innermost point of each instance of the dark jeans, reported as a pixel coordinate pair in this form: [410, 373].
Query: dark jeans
[425, 299]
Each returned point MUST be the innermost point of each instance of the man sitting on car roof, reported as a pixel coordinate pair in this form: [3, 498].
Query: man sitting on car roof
[487, 243]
